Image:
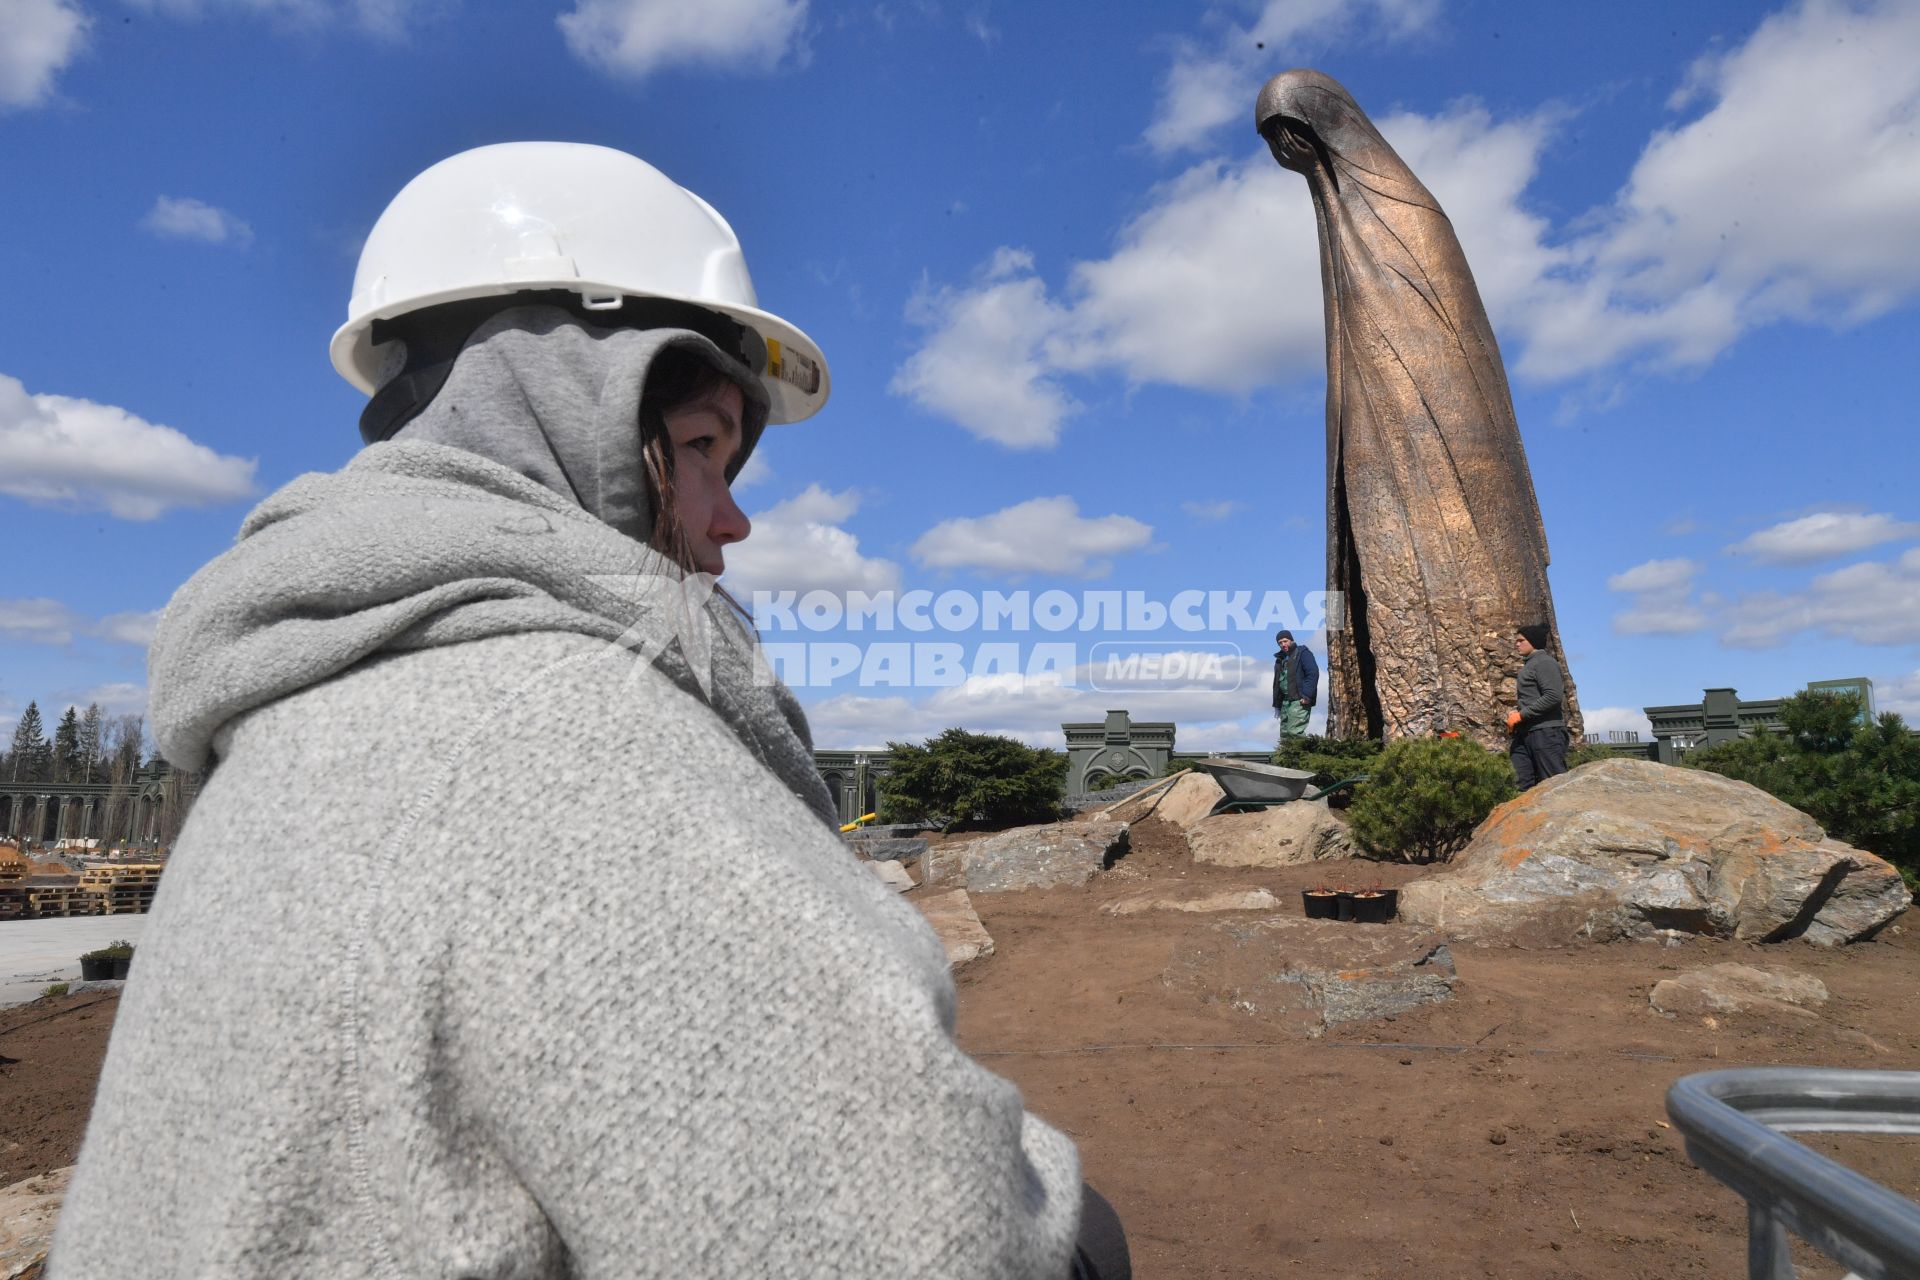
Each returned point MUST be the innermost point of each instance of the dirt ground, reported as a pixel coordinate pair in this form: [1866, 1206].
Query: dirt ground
[1517, 1130]
[50, 1054]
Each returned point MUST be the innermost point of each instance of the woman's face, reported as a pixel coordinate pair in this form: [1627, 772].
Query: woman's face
[705, 433]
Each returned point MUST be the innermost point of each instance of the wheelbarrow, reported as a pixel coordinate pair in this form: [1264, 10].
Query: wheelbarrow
[1251, 785]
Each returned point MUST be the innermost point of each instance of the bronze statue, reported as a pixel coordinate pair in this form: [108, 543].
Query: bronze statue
[1434, 540]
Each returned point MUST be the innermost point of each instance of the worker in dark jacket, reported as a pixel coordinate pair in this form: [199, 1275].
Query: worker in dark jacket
[1296, 685]
[1538, 722]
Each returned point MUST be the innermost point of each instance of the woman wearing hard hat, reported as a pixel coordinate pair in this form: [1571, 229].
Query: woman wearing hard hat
[565, 972]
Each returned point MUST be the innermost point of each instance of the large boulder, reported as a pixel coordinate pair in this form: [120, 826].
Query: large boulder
[28, 1212]
[1738, 988]
[953, 918]
[1189, 800]
[1309, 975]
[1632, 849]
[1048, 856]
[888, 848]
[1295, 832]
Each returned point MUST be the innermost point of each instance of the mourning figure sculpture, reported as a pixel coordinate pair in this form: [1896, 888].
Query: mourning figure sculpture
[1435, 546]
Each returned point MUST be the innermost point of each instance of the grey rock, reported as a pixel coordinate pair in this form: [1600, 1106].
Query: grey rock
[1632, 849]
[1195, 900]
[889, 848]
[1309, 975]
[953, 918]
[29, 1209]
[1738, 988]
[1287, 834]
[1048, 856]
[893, 875]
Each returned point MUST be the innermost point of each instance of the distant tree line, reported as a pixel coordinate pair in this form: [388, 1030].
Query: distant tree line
[86, 746]
[89, 746]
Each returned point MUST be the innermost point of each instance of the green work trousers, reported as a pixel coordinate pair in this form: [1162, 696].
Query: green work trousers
[1293, 719]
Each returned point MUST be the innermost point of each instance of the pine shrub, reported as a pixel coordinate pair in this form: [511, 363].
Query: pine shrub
[1426, 795]
[1330, 758]
[975, 779]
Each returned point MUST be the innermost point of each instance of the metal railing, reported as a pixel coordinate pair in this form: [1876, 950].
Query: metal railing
[1735, 1124]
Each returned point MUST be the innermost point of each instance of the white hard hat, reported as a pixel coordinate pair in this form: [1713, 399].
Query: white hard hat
[534, 216]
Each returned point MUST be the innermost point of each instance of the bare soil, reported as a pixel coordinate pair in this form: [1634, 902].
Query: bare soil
[1516, 1130]
[50, 1055]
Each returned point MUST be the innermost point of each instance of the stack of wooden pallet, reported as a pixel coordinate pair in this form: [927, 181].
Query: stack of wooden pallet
[58, 896]
[13, 869]
[123, 887]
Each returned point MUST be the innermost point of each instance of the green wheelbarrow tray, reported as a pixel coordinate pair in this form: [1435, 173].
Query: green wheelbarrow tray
[1250, 785]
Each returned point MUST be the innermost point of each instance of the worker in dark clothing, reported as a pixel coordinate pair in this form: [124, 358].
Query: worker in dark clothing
[1538, 722]
[1296, 686]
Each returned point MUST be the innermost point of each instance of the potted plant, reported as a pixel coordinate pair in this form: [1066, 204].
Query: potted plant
[122, 952]
[1321, 903]
[1376, 905]
[96, 966]
[1344, 904]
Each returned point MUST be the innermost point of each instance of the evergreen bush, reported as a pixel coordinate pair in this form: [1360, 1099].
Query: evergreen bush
[1331, 758]
[974, 779]
[1426, 795]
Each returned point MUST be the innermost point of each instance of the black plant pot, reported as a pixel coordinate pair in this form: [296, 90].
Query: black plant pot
[1320, 906]
[1346, 904]
[121, 964]
[1377, 908]
[96, 968]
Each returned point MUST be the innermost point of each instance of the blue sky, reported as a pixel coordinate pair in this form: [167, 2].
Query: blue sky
[1071, 306]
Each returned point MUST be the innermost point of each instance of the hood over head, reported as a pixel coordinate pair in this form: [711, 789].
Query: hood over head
[545, 394]
[509, 512]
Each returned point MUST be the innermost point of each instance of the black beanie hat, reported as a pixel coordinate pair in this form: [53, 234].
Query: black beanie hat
[1535, 634]
[1284, 635]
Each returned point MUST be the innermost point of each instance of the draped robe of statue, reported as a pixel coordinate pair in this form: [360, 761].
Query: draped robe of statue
[1434, 540]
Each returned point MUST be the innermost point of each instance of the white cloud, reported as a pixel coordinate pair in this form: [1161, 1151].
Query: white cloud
[798, 545]
[39, 621]
[1900, 695]
[1211, 511]
[184, 218]
[1723, 225]
[1823, 535]
[636, 38]
[38, 38]
[1213, 82]
[1655, 575]
[385, 19]
[42, 621]
[1867, 603]
[1600, 721]
[1032, 709]
[119, 697]
[984, 365]
[1792, 195]
[59, 451]
[128, 628]
[1041, 535]
[1663, 603]
[1214, 285]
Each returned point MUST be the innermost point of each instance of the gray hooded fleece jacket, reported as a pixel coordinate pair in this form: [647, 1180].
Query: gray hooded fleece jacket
[509, 936]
